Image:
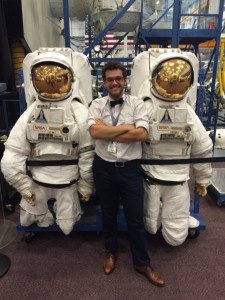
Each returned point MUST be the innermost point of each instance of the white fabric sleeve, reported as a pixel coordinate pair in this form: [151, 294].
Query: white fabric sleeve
[85, 151]
[94, 112]
[201, 148]
[17, 150]
[141, 116]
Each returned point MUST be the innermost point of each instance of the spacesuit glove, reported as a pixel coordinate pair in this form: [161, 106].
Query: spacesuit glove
[84, 198]
[30, 198]
[201, 189]
[85, 189]
[23, 184]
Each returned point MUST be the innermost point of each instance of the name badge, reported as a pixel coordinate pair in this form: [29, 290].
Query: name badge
[112, 148]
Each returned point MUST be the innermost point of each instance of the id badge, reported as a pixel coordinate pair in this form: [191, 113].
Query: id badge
[112, 148]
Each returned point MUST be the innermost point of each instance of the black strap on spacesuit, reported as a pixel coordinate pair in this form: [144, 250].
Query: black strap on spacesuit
[44, 163]
[55, 186]
[199, 160]
[153, 181]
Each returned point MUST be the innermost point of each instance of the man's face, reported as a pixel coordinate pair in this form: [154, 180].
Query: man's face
[114, 83]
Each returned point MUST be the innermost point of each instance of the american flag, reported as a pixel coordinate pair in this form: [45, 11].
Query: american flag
[109, 40]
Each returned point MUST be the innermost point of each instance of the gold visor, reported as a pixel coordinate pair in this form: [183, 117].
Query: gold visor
[172, 78]
[52, 81]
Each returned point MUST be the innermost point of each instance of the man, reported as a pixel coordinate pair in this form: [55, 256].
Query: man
[118, 123]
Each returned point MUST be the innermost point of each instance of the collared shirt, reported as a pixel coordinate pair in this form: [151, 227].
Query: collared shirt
[133, 112]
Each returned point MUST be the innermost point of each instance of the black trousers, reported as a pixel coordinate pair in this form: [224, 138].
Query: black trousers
[114, 183]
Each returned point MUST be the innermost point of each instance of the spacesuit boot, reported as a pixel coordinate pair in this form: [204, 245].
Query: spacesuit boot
[193, 222]
[46, 220]
[175, 233]
[65, 225]
[67, 213]
[26, 219]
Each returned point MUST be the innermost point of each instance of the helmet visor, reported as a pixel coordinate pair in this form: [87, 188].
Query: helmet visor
[172, 78]
[52, 81]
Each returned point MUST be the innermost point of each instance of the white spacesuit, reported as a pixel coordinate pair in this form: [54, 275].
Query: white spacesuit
[49, 152]
[167, 79]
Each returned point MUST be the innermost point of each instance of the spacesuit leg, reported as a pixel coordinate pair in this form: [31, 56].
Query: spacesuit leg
[67, 208]
[175, 213]
[152, 208]
[39, 212]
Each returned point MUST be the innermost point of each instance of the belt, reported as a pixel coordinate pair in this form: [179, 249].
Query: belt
[122, 164]
[55, 186]
[153, 181]
[119, 164]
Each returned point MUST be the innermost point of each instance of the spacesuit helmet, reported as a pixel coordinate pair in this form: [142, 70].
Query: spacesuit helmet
[219, 137]
[172, 78]
[52, 80]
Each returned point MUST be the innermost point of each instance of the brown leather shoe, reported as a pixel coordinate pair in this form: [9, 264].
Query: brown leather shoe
[152, 276]
[109, 263]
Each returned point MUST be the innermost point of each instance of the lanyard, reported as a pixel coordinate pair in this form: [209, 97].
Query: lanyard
[115, 119]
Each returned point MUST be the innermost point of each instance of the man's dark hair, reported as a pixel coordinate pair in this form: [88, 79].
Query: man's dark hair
[113, 65]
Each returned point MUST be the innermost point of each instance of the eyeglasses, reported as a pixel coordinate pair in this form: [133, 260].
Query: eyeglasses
[117, 79]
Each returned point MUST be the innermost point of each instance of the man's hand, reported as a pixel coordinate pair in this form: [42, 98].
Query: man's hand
[133, 135]
[102, 131]
[128, 127]
[99, 122]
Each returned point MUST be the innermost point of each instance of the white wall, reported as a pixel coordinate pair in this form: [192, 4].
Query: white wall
[40, 28]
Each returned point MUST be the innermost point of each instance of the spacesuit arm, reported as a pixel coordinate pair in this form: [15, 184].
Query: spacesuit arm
[86, 182]
[17, 150]
[201, 148]
[85, 152]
